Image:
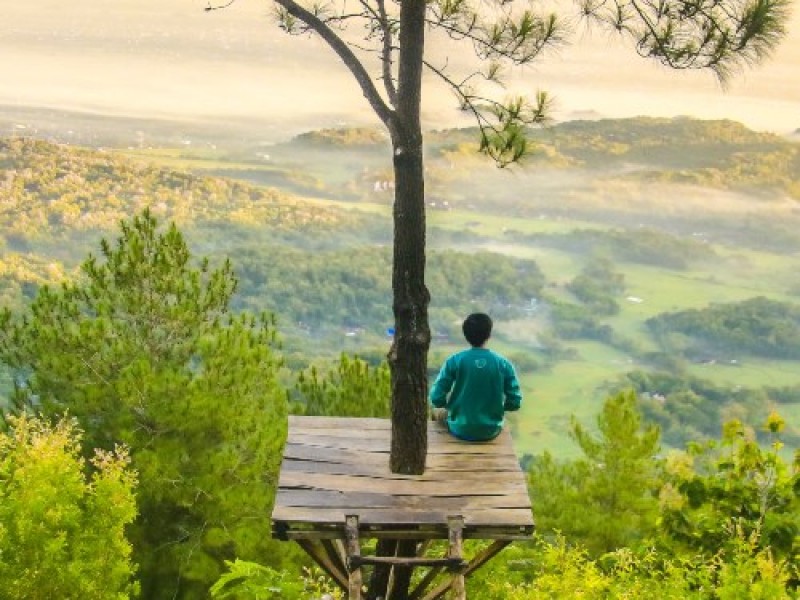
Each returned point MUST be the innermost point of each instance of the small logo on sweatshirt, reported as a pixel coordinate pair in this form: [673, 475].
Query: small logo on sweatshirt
[480, 363]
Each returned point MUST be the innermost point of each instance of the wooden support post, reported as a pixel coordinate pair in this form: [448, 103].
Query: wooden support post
[425, 582]
[478, 561]
[336, 553]
[400, 579]
[318, 554]
[485, 556]
[353, 550]
[379, 581]
[455, 526]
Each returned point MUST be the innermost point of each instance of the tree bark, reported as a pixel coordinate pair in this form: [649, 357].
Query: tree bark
[409, 352]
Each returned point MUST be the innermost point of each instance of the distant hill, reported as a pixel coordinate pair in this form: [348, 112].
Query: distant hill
[719, 154]
[47, 189]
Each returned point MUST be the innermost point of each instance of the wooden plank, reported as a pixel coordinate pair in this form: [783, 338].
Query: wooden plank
[506, 517]
[330, 499]
[296, 421]
[401, 487]
[345, 426]
[506, 461]
[457, 469]
[345, 443]
[380, 462]
[345, 434]
[341, 429]
[397, 487]
[333, 467]
[382, 445]
[382, 472]
[435, 436]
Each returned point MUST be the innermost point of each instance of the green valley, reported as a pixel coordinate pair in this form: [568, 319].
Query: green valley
[686, 215]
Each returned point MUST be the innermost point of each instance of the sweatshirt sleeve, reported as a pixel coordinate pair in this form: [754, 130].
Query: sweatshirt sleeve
[442, 385]
[511, 389]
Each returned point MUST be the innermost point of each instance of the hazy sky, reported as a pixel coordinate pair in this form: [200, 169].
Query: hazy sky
[169, 58]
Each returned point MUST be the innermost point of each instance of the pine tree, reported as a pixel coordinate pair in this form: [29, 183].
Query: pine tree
[142, 350]
[607, 498]
[353, 389]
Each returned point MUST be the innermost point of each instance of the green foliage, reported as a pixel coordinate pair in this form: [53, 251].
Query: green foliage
[63, 517]
[721, 492]
[556, 570]
[606, 499]
[575, 321]
[251, 581]
[691, 409]
[757, 326]
[350, 288]
[141, 351]
[353, 389]
[598, 286]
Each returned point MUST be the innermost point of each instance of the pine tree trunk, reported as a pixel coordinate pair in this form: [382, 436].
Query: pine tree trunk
[408, 356]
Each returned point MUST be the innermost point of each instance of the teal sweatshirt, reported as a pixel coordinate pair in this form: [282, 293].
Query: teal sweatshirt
[482, 385]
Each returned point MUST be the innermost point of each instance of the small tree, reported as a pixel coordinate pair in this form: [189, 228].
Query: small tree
[62, 517]
[723, 491]
[606, 499]
[141, 351]
[390, 47]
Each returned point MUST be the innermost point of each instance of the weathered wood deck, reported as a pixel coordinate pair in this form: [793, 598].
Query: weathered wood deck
[335, 467]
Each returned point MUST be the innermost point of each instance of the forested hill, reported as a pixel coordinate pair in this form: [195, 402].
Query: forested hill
[50, 189]
[721, 154]
[320, 267]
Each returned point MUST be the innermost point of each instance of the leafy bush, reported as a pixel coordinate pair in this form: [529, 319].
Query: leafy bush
[63, 517]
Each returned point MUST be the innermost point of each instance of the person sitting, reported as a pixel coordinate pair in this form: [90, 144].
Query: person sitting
[475, 387]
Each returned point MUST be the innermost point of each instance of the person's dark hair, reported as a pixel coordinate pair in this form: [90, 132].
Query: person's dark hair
[477, 328]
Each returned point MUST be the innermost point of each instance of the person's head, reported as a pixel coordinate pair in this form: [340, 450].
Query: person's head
[477, 329]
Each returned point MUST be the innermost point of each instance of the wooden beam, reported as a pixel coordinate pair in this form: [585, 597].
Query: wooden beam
[485, 556]
[455, 525]
[401, 573]
[317, 553]
[423, 584]
[354, 581]
[477, 562]
[334, 550]
[379, 581]
[408, 561]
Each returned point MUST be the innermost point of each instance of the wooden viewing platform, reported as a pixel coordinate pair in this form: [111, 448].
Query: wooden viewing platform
[336, 488]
